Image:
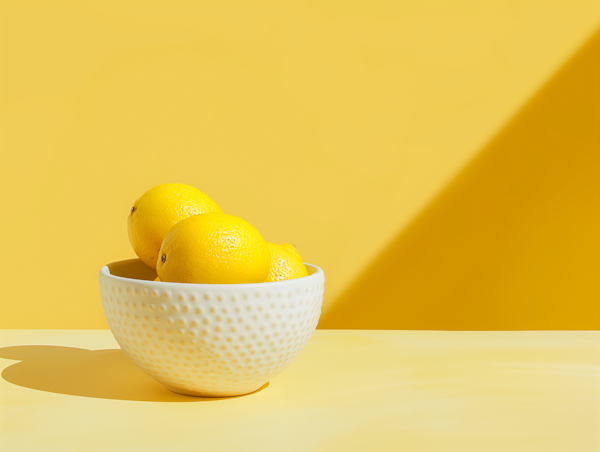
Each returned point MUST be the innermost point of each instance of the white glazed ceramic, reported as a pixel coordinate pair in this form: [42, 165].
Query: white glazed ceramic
[210, 339]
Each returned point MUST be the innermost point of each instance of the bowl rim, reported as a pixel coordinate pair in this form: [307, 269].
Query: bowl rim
[319, 273]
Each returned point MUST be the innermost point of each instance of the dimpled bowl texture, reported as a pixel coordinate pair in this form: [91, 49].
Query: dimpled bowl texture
[209, 340]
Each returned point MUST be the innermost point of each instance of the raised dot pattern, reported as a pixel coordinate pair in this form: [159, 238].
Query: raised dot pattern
[216, 343]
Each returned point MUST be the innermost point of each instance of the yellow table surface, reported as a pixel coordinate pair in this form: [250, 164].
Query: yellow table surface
[74, 390]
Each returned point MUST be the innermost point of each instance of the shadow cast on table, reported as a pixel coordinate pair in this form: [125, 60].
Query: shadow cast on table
[104, 374]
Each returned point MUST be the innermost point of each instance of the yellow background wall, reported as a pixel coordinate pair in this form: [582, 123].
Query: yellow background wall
[350, 128]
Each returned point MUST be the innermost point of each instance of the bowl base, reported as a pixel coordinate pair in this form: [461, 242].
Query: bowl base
[215, 394]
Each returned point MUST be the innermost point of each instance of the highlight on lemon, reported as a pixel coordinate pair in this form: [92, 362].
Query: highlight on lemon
[213, 248]
[183, 234]
[157, 211]
[286, 263]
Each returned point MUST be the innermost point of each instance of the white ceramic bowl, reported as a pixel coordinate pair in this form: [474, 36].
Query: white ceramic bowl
[209, 339]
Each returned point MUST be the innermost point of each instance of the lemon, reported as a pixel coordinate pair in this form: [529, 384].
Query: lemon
[157, 279]
[214, 248]
[291, 248]
[157, 211]
[286, 263]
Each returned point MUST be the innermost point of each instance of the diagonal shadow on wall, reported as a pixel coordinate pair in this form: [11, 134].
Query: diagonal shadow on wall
[514, 241]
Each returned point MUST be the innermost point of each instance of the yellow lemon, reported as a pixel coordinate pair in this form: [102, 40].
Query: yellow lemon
[214, 248]
[157, 279]
[285, 263]
[291, 248]
[157, 211]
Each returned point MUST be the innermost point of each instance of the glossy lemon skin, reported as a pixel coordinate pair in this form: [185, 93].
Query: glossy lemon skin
[291, 248]
[157, 211]
[286, 263]
[214, 248]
